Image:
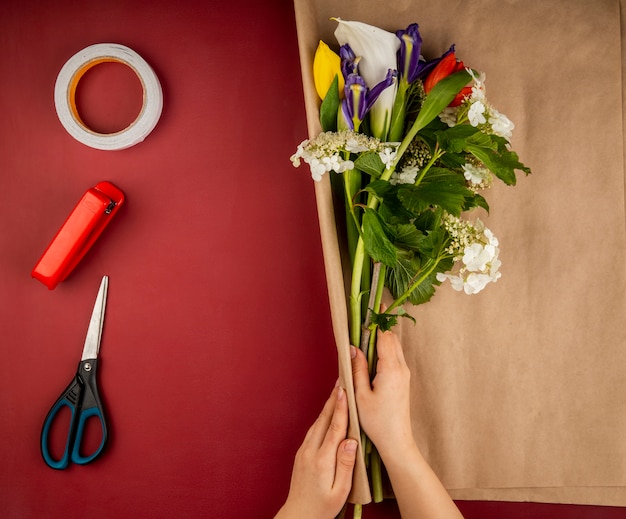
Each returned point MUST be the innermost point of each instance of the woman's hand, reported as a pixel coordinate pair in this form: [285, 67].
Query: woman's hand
[322, 472]
[384, 413]
[384, 405]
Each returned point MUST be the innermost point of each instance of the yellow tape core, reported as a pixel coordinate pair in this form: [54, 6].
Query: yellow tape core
[71, 92]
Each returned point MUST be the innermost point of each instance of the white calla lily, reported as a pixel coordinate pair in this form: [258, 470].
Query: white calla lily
[377, 50]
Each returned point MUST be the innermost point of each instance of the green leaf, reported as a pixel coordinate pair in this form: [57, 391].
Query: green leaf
[386, 321]
[398, 114]
[377, 243]
[491, 150]
[476, 201]
[391, 210]
[429, 220]
[424, 291]
[379, 188]
[502, 163]
[408, 236]
[441, 96]
[370, 163]
[330, 107]
[413, 199]
[401, 312]
[400, 278]
[455, 139]
[442, 187]
[432, 243]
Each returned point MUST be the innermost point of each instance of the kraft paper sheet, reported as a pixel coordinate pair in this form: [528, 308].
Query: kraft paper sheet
[519, 393]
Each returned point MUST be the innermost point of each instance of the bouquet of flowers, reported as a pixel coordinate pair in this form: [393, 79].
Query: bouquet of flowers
[412, 145]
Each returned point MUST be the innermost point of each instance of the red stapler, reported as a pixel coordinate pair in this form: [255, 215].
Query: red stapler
[86, 222]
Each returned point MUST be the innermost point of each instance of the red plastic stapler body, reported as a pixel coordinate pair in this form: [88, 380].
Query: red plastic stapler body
[79, 232]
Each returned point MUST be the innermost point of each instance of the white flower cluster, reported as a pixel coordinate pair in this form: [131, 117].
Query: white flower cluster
[478, 111]
[388, 155]
[330, 151]
[476, 248]
[407, 175]
[500, 124]
[478, 175]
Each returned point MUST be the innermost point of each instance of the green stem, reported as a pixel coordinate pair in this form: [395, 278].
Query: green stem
[371, 355]
[358, 511]
[377, 477]
[355, 292]
[371, 348]
[438, 153]
[408, 138]
[366, 331]
[366, 282]
[352, 185]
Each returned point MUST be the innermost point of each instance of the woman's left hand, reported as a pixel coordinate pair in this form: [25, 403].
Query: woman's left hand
[322, 471]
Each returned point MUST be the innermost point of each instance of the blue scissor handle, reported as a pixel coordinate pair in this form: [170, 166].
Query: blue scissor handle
[77, 457]
[83, 400]
[64, 461]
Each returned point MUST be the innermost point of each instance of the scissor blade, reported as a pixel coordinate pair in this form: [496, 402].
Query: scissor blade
[92, 342]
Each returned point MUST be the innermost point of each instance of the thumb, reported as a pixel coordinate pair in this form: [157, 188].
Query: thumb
[346, 456]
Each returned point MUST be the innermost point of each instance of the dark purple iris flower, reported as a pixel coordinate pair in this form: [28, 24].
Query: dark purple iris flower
[349, 61]
[409, 53]
[410, 66]
[359, 99]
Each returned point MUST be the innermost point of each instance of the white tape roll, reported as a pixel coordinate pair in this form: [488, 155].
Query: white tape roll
[65, 97]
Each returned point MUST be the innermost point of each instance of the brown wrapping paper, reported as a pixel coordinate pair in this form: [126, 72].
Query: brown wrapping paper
[519, 392]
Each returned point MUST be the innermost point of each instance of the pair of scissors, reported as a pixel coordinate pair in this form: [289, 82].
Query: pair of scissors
[81, 396]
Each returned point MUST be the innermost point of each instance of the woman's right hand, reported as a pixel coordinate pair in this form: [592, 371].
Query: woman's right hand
[384, 405]
[385, 415]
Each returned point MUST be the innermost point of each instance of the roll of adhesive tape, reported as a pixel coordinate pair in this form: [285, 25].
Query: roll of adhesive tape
[65, 96]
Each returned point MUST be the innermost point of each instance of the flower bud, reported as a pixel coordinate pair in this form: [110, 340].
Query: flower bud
[447, 66]
[326, 65]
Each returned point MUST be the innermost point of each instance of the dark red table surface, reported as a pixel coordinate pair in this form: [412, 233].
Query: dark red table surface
[217, 351]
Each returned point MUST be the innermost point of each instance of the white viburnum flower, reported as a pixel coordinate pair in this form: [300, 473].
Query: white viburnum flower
[331, 151]
[346, 165]
[501, 125]
[474, 283]
[478, 87]
[491, 239]
[483, 113]
[475, 251]
[317, 169]
[477, 175]
[449, 115]
[353, 146]
[477, 256]
[456, 282]
[295, 158]
[405, 176]
[388, 155]
[476, 114]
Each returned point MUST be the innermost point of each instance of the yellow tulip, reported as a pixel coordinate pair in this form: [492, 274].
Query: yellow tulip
[326, 65]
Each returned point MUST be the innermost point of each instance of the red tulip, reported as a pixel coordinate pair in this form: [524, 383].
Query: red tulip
[448, 65]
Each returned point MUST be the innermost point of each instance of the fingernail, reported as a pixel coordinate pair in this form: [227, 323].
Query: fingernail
[352, 352]
[350, 446]
[340, 393]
